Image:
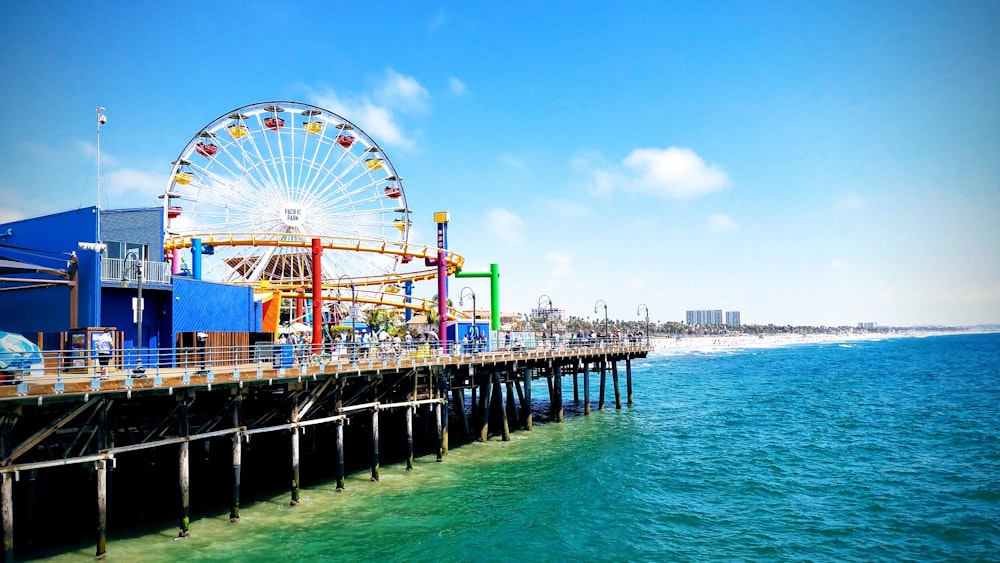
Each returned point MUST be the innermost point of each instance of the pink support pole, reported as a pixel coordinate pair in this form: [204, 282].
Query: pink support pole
[317, 296]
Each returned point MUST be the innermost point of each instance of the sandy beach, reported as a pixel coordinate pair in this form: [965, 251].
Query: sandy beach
[704, 344]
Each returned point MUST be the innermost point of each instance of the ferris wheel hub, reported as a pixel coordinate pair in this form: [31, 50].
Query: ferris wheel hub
[293, 215]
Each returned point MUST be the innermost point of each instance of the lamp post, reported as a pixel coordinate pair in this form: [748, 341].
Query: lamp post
[549, 319]
[126, 271]
[475, 331]
[601, 303]
[643, 306]
[354, 300]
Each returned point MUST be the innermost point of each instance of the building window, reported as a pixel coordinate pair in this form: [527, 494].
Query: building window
[116, 249]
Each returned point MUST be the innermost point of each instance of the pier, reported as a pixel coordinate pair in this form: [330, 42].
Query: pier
[230, 394]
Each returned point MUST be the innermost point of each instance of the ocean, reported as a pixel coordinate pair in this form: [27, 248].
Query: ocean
[869, 451]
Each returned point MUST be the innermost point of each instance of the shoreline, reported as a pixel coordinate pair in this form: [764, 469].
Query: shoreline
[724, 343]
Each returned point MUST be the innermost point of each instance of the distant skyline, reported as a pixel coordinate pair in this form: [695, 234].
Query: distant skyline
[804, 163]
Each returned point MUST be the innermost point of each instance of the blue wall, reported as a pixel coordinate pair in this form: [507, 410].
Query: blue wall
[47, 310]
[208, 306]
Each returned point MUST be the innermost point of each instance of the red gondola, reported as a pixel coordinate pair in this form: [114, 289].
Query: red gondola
[206, 149]
[174, 211]
[345, 141]
[393, 192]
[274, 123]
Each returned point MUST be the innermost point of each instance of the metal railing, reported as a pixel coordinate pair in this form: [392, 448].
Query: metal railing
[63, 367]
[117, 269]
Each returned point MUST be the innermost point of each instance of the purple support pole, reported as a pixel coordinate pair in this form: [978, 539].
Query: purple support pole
[442, 268]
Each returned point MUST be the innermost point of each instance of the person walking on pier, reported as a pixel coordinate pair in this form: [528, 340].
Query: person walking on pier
[104, 344]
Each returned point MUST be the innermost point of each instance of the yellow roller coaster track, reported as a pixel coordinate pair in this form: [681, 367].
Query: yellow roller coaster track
[292, 288]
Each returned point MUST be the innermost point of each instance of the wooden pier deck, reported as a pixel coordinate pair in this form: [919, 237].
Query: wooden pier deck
[55, 418]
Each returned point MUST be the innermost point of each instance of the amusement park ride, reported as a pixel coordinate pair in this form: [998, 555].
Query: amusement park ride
[290, 198]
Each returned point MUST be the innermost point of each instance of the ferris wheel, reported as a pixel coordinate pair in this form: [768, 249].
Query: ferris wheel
[286, 172]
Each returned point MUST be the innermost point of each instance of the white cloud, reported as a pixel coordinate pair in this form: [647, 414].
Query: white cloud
[505, 225]
[456, 85]
[401, 92]
[438, 20]
[511, 160]
[566, 208]
[838, 264]
[378, 112]
[671, 173]
[849, 200]
[721, 223]
[675, 172]
[560, 264]
[131, 182]
[89, 150]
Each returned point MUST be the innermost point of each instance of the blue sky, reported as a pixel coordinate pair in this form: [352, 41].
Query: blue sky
[820, 163]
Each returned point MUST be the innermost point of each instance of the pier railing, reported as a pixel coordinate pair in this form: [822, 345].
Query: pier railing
[49, 372]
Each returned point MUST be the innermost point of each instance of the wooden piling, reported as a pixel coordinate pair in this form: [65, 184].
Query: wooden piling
[296, 493]
[443, 395]
[185, 471]
[375, 461]
[557, 381]
[586, 388]
[101, 473]
[340, 455]
[512, 415]
[484, 411]
[604, 383]
[576, 385]
[628, 379]
[7, 513]
[458, 403]
[234, 510]
[526, 401]
[409, 438]
[440, 431]
[339, 407]
[614, 379]
[498, 392]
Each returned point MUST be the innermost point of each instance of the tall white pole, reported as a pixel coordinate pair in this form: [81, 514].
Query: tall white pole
[101, 119]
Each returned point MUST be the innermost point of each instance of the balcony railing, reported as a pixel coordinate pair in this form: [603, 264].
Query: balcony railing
[116, 269]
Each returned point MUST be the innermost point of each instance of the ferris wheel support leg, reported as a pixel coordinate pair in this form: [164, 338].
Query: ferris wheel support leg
[196, 258]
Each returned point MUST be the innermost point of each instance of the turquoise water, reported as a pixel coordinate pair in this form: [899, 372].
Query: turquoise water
[873, 451]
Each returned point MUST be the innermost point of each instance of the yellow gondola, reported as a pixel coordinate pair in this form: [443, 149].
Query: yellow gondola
[313, 127]
[238, 131]
[374, 163]
[183, 177]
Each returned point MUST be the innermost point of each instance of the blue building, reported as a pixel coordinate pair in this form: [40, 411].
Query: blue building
[90, 265]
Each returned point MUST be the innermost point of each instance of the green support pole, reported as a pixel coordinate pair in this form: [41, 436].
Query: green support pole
[494, 275]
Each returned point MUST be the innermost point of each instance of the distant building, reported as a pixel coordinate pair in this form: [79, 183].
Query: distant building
[704, 317]
[868, 326]
[733, 318]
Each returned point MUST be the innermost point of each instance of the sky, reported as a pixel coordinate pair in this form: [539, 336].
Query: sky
[804, 163]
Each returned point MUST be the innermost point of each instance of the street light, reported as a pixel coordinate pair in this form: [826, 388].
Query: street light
[551, 327]
[354, 300]
[137, 269]
[475, 331]
[643, 306]
[600, 302]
